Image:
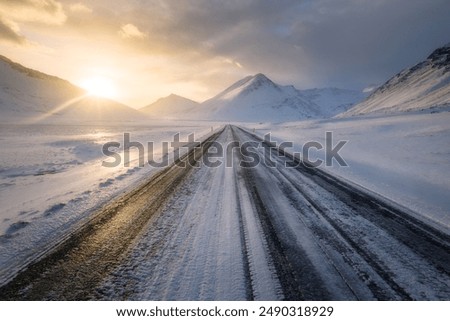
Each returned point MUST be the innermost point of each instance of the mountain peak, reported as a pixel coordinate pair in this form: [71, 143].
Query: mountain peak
[173, 96]
[259, 81]
[260, 76]
[171, 106]
[441, 56]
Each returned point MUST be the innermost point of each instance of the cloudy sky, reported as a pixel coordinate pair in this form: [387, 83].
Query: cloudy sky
[146, 49]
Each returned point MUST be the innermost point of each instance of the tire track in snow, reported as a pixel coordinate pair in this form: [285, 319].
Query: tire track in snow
[379, 250]
[262, 233]
[215, 251]
[203, 255]
[243, 234]
[295, 277]
[80, 263]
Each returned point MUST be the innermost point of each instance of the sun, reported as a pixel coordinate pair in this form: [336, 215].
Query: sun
[100, 86]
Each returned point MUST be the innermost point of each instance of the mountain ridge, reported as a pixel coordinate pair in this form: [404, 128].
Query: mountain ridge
[423, 86]
[28, 95]
[31, 94]
[260, 99]
[169, 106]
[36, 73]
[257, 98]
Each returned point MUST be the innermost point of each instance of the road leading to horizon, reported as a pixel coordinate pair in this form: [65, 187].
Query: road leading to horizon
[265, 232]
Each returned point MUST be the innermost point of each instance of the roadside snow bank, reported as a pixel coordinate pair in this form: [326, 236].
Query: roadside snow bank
[52, 178]
[405, 158]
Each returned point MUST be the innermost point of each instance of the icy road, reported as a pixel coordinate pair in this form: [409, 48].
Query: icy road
[269, 232]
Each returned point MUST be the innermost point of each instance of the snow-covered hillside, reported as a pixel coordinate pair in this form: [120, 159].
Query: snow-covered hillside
[52, 177]
[403, 157]
[172, 106]
[424, 86]
[28, 95]
[257, 98]
[333, 101]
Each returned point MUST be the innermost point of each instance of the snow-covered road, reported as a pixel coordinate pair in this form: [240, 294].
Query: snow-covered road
[265, 232]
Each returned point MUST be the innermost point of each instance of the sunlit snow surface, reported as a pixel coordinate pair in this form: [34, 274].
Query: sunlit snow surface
[51, 177]
[404, 158]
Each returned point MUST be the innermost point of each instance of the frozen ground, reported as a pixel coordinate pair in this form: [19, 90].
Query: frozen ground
[404, 158]
[230, 232]
[51, 177]
[84, 231]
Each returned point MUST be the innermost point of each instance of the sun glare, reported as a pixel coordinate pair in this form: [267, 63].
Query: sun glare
[100, 87]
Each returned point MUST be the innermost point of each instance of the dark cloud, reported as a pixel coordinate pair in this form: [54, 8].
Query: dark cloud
[344, 43]
[359, 42]
[208, 44]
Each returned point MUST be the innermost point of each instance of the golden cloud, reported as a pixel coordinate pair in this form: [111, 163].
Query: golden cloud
[131, 31]
[10, 32]
[42, 11]
[80, 8]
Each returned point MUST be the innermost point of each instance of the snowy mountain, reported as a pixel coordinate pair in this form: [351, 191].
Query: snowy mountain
[424, 86]
[28, 95]
[333, 101]
[257, 98]
[172, 106]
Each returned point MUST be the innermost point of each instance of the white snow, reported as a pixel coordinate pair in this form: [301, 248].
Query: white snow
[51, 173]
[51, 178]
[193, 250]
[29, 96]
[171, 107]
[257, 98]
[333, 101]
[403, 157]
[424, 86]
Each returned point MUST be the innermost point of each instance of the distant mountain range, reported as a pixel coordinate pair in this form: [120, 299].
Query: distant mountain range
[172, 106]
[257, 98]
[27, 95]
[422, 87]
[333, 101]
